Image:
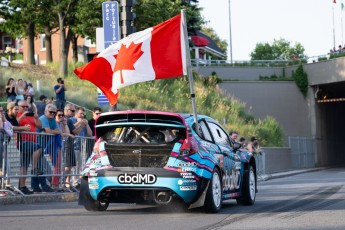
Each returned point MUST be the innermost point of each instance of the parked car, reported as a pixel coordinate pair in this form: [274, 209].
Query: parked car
[147, 157]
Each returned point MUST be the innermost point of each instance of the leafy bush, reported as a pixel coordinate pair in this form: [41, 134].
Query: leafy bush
[301, 79]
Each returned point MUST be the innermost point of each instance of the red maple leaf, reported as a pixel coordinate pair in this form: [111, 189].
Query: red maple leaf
[127, 57]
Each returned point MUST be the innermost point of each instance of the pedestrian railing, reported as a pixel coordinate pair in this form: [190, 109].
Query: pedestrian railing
[58, 159]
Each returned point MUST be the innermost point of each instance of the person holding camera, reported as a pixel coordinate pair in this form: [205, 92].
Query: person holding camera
[60, 89]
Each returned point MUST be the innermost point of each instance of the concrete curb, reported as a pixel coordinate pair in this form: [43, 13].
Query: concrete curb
[288, 173]
[38, 198]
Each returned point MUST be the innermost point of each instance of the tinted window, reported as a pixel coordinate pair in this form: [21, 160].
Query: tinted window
[203, 131]
[218, 134]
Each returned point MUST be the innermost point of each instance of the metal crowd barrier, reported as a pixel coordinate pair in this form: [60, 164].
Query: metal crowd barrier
[59, 160]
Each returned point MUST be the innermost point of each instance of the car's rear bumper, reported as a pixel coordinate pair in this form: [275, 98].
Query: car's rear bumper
[185, 185]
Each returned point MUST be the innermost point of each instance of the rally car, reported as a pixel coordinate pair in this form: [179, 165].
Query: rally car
[149, 157]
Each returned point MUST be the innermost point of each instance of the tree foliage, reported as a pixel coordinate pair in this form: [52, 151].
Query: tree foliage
[301, 79]
[221, 43]
[150, 13]
[278, 50]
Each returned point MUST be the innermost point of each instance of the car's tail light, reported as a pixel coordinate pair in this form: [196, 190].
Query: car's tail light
[189, 145]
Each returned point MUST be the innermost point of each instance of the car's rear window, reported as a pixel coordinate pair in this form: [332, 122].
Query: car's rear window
[138, 134]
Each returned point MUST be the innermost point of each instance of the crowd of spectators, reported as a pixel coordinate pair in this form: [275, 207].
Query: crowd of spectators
[39, 129]
[341, 49]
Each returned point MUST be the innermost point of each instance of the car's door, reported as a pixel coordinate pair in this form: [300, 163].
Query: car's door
[231, 161]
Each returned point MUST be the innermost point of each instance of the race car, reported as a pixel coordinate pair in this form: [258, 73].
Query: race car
[152, 157]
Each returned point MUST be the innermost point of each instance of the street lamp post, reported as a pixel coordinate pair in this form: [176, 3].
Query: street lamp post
[230, 41]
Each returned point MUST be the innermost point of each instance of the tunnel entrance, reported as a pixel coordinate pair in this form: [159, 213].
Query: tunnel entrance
[330, 120]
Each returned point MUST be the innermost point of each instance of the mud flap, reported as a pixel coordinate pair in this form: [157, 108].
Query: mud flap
[84, 193]
[201, 200]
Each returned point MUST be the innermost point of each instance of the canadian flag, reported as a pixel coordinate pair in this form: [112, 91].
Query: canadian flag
[156, 53]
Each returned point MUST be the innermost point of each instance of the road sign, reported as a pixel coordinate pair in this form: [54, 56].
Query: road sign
[101, 98]
[111, 26]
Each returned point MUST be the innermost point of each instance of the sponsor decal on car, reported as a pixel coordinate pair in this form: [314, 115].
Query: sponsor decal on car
[187, 188]
[186, 170]
[187, 175]
[231, 181]
[186, 182]
[136, 178]
[186, 164]
[93, 186]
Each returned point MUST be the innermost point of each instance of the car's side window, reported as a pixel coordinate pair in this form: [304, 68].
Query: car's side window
[204, 134]
[220, 137]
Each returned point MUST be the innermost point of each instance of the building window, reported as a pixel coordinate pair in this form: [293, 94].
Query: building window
[43, 42]
[6, 41]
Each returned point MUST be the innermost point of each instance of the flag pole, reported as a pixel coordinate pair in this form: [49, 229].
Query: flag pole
[189, 68]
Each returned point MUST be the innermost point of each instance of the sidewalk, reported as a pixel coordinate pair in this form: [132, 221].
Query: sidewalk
[73, 196]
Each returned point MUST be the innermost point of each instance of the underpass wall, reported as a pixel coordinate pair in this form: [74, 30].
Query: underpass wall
[281, 100]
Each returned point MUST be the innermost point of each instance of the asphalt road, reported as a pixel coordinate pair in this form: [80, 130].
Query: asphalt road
[314, 200]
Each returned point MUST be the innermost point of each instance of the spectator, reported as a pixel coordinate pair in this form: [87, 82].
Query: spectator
[85, 131]
[20, 90]
[30, 100]
[11, 90]
[70, 161]
[30, 91]
[96, 112]
[2, 139]
[41, 105]
[242, 141]
[253, 146]
[49, 144]
[60, 89]
[233, 138]
[27, 144]
[63, 127]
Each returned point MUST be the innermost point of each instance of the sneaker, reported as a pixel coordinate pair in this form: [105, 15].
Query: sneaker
[37, 190]
[48, 189]
[36, 172]
[25, 190]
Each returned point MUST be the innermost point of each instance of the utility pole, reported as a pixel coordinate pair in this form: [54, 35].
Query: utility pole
[230, 41]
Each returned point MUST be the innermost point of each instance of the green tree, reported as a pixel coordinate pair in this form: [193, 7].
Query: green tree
[279, 50]
[150, 13]
[221, 43]
[21, 17]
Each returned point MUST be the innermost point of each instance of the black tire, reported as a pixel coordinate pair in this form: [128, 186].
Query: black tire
[214, 194]
[87, 201]
[248, 187]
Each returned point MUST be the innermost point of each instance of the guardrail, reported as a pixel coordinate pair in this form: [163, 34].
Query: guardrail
[59, 160]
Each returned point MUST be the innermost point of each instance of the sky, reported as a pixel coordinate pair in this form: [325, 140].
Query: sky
[309, 22]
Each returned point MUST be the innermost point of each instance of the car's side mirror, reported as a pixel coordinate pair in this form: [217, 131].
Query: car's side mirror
[236, 146]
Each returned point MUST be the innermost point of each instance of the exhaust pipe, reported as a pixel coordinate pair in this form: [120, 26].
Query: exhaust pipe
[162, 197]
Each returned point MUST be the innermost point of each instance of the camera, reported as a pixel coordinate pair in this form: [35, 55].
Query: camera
[30, 114]
[62, 82]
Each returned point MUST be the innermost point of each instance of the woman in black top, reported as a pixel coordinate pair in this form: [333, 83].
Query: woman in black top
[10, 90]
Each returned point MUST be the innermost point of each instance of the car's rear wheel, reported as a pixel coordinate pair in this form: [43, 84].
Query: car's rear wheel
[87, 201]
[248, 187]
[214, 198]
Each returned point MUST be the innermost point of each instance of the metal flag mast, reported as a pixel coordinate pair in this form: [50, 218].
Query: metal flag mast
[189, 68]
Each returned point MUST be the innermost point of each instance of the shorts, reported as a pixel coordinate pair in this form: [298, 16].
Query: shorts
[27, 148]
[11, 98]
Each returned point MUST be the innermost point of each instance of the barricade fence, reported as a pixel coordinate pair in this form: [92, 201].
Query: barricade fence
[59, 160]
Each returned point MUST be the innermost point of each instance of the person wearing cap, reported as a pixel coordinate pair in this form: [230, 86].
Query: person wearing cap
[41, 105]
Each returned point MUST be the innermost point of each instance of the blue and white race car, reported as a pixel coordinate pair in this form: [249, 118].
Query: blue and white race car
[149, 157]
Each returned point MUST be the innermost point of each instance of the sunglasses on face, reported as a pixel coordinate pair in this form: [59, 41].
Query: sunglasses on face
[97, 113]
[52, 112]
[60, 115]
[72, 110]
